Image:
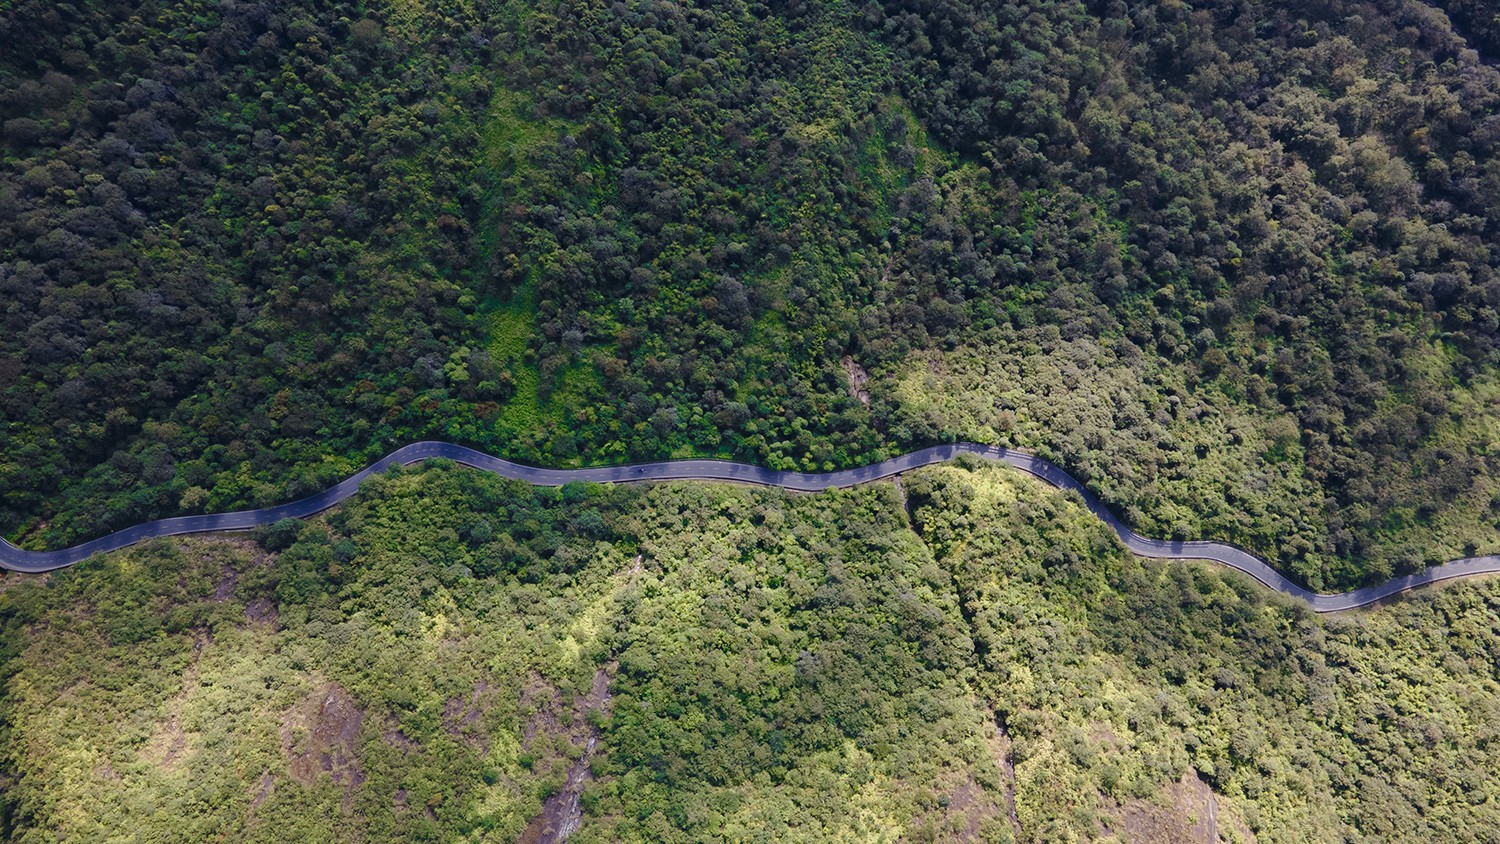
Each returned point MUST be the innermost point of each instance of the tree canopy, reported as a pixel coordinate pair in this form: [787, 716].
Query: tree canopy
[245, 247]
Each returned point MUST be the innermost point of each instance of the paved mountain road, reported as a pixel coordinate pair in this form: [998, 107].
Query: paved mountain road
[16, 559]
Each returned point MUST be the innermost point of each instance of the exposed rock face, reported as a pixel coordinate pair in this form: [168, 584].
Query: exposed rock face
[858, 378]
[561, 813]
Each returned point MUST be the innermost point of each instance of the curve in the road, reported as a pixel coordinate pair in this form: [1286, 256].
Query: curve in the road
[16, 559]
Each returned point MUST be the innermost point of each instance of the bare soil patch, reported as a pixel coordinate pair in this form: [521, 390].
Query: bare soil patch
[965, 809]
[1000, 744]
[263, 611]
[267, 786]
[236, 553]
[1184, 811]
[224, 590]
[9, 579]
[321, 734]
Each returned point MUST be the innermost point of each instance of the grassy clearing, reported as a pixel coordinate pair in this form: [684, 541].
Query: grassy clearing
[510, 329]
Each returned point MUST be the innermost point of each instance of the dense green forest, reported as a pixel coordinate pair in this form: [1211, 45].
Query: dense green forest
[1231, 263]
[245, 247]
[965, 656]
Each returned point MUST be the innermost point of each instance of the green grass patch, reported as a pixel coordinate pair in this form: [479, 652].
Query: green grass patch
[510, 326]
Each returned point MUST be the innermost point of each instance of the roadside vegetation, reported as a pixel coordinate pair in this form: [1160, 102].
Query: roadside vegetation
[245, 247]
[439, 658]
[1231, 264]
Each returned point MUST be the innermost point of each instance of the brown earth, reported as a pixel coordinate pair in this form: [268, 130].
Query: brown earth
[966, 810]
[262, 611]
[225, 588]
[1184, 811]
[14, 578]
[321, 734]
[1000, 748]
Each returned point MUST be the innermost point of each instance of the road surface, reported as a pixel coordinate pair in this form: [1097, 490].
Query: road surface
[16, 559]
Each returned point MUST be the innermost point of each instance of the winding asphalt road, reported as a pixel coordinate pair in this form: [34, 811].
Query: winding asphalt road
[16, 559]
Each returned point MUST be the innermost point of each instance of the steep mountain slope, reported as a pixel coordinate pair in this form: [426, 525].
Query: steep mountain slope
[454, 657]
[1230, 262]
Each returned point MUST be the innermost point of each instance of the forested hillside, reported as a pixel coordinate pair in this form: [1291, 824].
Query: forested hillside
[1231, 263]
[218, 223]
[453, 657]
